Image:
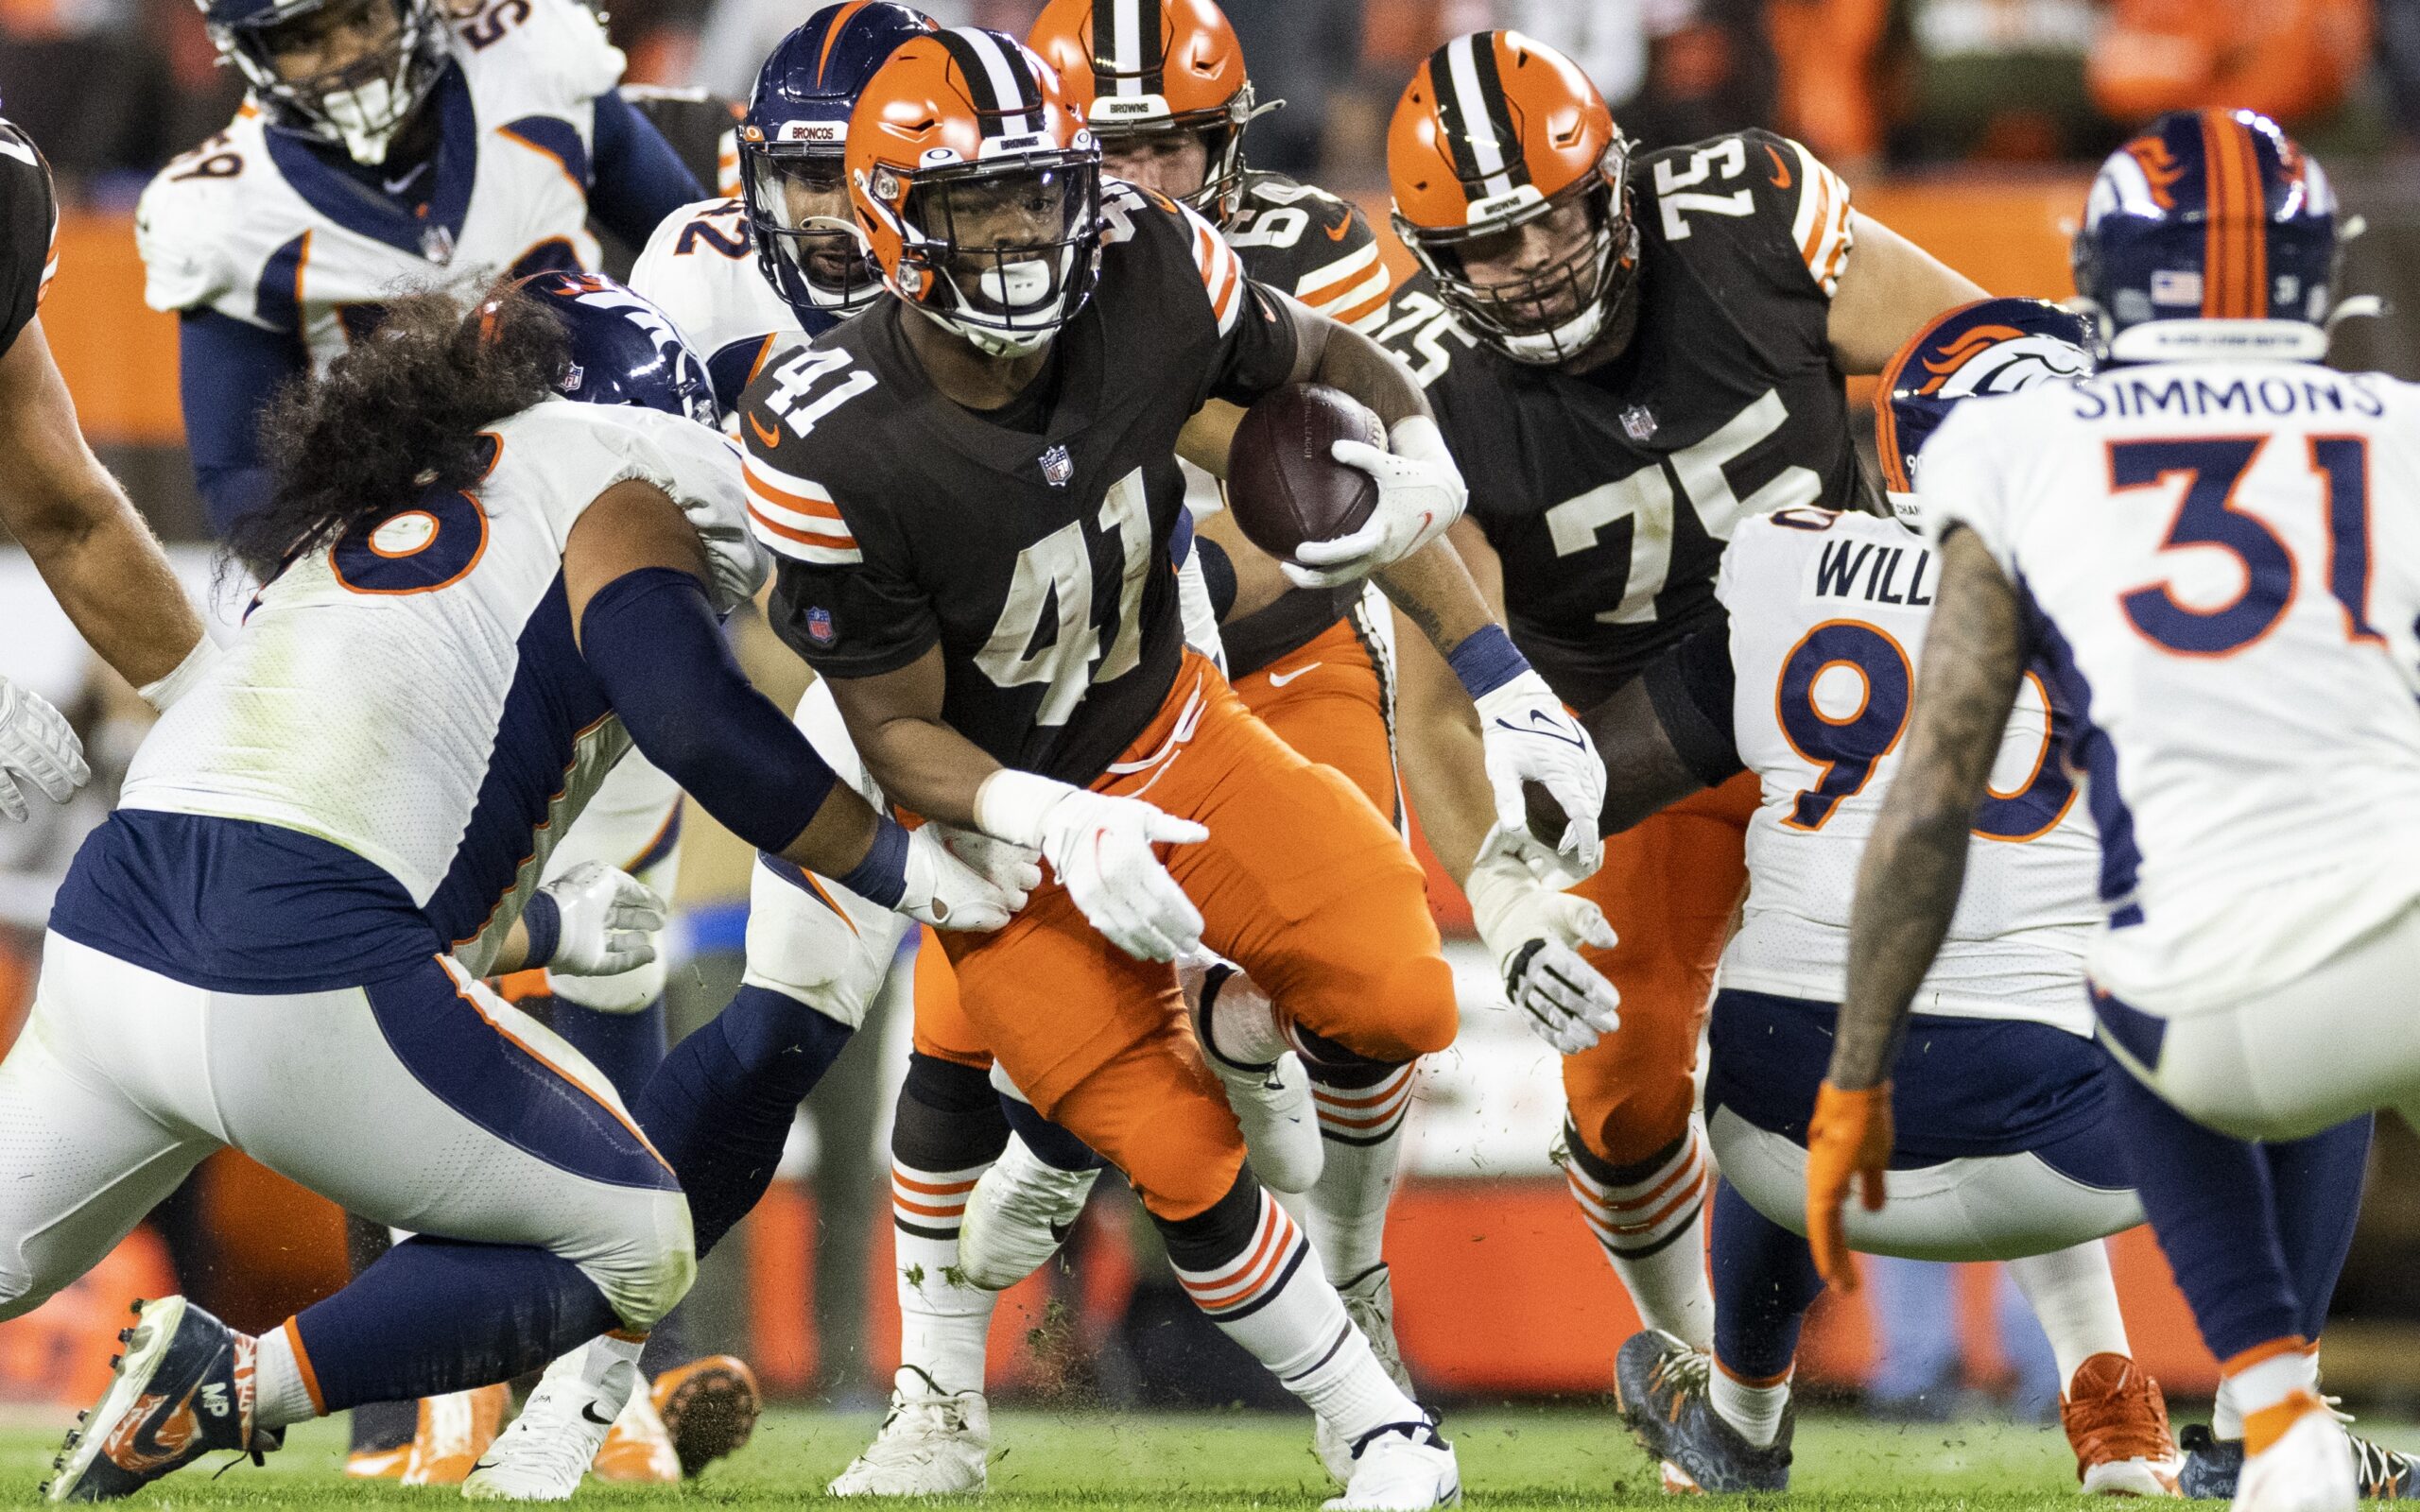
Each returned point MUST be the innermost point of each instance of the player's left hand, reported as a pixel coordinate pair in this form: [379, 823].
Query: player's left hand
[1421, 493]
[1849, 1138]
[1534, 933]
[605, 921]
[37, 746]
[1529, 737]
[963, 881]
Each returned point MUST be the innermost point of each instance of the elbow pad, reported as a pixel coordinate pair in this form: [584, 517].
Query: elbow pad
[650, 639]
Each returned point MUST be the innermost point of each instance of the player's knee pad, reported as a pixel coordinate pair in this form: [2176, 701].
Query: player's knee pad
[1384, 1008]
[1181, 1154]
[812, 939]
[644, 1260]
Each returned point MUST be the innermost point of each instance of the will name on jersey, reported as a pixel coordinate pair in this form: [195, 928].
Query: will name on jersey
[254, 225]
[2218, 560]
[1609, 494]
[1827, 614]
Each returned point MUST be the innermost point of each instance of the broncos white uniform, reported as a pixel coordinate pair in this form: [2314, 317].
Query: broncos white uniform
[256, 227]
[1827, 618]
[700, 268]
[275, 943]
[2220, 562]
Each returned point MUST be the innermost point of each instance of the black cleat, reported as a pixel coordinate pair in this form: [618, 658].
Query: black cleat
[2213, 1464]
[1661, 1384]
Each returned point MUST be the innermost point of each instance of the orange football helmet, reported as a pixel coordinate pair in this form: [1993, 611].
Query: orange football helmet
[979, 188]
[1494, 132]
[1149, 67]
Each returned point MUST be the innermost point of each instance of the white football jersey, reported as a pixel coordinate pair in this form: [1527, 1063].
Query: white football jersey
[257, 227]
[1828, 626]
[700, 268]
[2221, 562]
[412, 691]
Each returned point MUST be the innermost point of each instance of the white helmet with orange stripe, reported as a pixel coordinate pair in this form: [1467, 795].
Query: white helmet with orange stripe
[1496, 137]
[979, 188]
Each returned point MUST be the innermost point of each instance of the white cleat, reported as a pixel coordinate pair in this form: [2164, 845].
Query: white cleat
[544, 1452]
[1019, 1214]
[1402, 1470]
[2309, 1468]
[1370, 1302]
[932, 1444]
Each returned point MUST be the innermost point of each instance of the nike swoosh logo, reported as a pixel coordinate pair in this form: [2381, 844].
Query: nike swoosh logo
[1336, 232]
[482, 1465]
[1279, 679]
[769, 438]
[588, 1411]
[1781, 169]
[1542, 723]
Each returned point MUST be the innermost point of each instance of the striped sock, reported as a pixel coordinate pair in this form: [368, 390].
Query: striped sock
[1361, 1127]
[1650, 1219]
[1243, 1262]
[943, 1321]
[1752, 1407]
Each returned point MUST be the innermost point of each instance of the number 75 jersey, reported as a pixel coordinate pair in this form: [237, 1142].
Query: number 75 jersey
[1828, 613]
[2219, 561]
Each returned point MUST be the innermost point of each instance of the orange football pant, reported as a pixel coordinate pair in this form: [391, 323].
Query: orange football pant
[1671, 886]
[1302, 882]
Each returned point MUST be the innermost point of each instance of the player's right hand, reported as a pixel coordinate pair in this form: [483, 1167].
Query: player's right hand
[1848, 1138]
[1421, 493]
[37, 746]
[1534, 933]
[606, 922]
[963, 881]
[1100, 846]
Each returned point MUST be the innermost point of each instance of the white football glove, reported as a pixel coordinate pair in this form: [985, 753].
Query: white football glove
[37, 746]
[963, 880]
[1100, 846]
[1529, 737]
[607, 922]
[1421, 493]
[1534, 933]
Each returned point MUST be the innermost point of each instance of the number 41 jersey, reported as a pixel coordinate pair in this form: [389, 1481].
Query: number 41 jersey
[1609, 494]
[2221, 561]
[1031, 544]
[1827, 625]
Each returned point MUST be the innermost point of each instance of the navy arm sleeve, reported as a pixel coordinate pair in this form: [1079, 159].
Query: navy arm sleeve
[226, 371]
[650, 639]
[638, 178]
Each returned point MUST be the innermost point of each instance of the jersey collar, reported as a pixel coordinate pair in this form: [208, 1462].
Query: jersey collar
[362, 207]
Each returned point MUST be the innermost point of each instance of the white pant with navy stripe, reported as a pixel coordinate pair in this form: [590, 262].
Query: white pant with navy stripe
[425, 1103]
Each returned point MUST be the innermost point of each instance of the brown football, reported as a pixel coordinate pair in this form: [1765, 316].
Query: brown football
[1282, 483]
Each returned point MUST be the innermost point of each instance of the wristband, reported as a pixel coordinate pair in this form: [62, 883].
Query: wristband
[882, 876]
[1012, 805]
[1486, 660]
[543, 917]
[179, 681]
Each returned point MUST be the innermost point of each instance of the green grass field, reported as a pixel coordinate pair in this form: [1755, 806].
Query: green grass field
[1209, 1462]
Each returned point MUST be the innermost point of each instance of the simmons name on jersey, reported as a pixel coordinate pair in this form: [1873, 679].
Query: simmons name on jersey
[28, 231]
[255, 225]
[1609, 493]
[1031, 544]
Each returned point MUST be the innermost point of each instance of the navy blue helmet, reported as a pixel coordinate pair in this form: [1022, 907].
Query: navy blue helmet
[791, 145]
[360, 104]
[2211, 233]
[1988, 346]
[624, 351]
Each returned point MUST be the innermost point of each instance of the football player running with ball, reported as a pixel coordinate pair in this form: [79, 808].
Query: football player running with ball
[2211, 545]
[971, 489]
[1645, 350]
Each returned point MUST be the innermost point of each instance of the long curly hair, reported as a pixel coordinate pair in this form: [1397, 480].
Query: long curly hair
[395, 416]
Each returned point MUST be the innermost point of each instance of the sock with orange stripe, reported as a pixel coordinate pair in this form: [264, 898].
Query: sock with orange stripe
[1650, 1219]
[1362, 1106]
[946, 1131]
[1247, 1266]
[281, 1395]
[1752, 1408]
[2262, 1381]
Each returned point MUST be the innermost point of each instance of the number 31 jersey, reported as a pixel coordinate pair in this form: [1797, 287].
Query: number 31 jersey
[2222, 562]
[1609, 494]
[1030, 546]
[1827, 625]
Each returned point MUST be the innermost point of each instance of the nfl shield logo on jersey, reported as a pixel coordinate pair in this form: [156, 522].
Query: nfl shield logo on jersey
[1638, 422]
[1057, 467]
[819, 625]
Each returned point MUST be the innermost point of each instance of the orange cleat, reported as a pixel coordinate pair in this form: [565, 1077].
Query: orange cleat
[637, 1450]
[377, 1464]
[709, 1406]
[455, 1430]
[2118, 1422]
